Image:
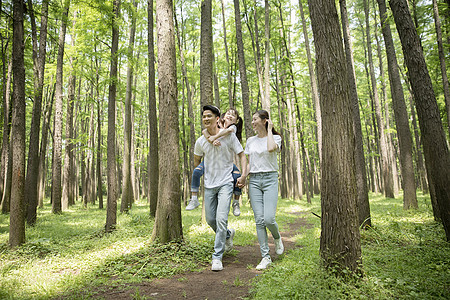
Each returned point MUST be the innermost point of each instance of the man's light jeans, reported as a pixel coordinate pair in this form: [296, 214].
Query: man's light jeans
[217, 206]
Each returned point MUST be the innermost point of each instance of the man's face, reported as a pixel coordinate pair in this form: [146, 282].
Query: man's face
[209, 119]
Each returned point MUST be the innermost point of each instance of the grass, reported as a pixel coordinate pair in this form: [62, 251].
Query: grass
[404, 255]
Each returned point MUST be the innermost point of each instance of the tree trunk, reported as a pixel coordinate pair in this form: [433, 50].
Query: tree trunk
[31, 181]
[340, 240]
[57, 122]
[127, 186]
[437, 157]
[243, 72]
[168, 225]
[17, 215]
[266, 98]
[6, 143]
[206, 54]
[229, 86]
[360, 163]
[153, 159]
[401, 115]
[437, 25]
[386, 169]
[111, 208]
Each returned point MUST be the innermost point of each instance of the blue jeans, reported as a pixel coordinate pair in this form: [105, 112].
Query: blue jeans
[200, 170]
[263, 193]
[217, 206]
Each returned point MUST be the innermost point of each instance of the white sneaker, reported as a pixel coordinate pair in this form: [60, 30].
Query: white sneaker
[279, 248]
[216, 265]
[265, 262]
[229, 242]
[193, 204]
[236, 209]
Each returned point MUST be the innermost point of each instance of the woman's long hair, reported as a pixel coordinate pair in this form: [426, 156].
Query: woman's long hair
[263, 114]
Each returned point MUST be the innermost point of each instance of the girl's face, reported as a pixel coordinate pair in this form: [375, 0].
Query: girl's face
[258, 124]
[230, 118]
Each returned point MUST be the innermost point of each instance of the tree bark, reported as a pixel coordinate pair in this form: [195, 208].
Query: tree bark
[229, 85]
[168, 214]
[17, 214]
[243, 72]
[31, 180]
[266, 98]
[437, 157]
[111, 210]
[57, 122]
[360, 163]
[6, 143]
[127, 186]
[206, 54]
[401, 115]
[340, 240]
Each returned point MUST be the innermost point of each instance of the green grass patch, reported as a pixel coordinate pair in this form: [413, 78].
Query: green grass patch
[405, 256]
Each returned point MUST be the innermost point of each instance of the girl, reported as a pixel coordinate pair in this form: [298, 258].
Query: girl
[263, 182]
[229, 122]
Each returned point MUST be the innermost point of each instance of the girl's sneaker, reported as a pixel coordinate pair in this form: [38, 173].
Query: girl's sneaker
[236, 209]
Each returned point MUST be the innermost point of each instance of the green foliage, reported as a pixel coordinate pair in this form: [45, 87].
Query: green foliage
[404, 256]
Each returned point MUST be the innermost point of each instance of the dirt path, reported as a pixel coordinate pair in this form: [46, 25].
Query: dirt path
[231, 283]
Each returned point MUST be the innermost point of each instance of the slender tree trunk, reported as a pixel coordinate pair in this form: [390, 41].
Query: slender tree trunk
[266, 98]
[31, 181]
[17, 215]
[229, 85]
[206, 54]
[340, 240]
[168, 214]
[437, 157]
[6, 148]
[243, 71]
[386, 166]
[153, 159]
[57, 122]
[401, 115]
[111, 209]
[127, 186]
[437, 25]
[360, 164]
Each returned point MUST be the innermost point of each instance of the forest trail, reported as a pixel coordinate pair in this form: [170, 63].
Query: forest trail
[233, 282]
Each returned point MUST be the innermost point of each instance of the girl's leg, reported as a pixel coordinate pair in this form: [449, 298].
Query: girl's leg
[237, 191]
[195, 186]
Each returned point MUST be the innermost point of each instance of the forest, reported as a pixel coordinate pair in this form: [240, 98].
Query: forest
[101, 107]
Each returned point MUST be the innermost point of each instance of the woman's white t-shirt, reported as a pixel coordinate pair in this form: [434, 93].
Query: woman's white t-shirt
[260, 159]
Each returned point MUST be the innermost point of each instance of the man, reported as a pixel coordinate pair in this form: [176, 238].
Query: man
[218, 181]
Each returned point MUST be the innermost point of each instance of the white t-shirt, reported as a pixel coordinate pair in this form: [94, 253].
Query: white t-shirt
[218, 159]
[260, 159]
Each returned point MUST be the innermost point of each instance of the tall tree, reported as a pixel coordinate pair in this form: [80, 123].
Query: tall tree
[17, 215]
[437, 156]
[6, 147]
[58, 116]
[206, 54]
[360, 164]
[386, 168]
[31, 180]
[227, 56]
[153, 159]
[266, 98]
[168, 213]
[243, 71]
[437, 25]
[401, 115]
[340, 240]
[111, 209]
[127, 185]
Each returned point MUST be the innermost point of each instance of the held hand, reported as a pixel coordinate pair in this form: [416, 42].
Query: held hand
[240, 182]
[216, 143]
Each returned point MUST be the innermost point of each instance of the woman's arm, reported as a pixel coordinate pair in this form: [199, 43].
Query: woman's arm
[271, 145]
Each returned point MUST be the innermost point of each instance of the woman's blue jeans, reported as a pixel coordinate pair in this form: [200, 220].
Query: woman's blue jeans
[200, 170]
[263, 193]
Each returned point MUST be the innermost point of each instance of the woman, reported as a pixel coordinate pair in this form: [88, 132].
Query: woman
[263, 182]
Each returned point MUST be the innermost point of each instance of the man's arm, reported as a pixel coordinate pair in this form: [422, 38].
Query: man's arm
[244, 171]
[197, 160]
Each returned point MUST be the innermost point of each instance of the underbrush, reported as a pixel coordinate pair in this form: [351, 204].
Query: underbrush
[404, 256]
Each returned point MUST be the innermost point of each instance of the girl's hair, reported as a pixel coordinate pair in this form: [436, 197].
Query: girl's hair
[263, 114]
[238, 123]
